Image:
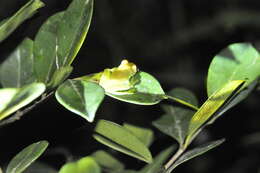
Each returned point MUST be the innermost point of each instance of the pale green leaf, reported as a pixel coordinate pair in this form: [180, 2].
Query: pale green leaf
[175, 122]
[14, 99]
[84, 165]
[143, 134]
[121, 139]
[10, 24]
[24, 158]
[213, 104]
[239, 61]
[80, 97]
[194, 153]
[6, 96]
[107, 161]
[147, 92]
[17, 70]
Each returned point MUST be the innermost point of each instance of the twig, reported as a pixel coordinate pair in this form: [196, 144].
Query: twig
[18, 115]
[183, 102]
[173, 159]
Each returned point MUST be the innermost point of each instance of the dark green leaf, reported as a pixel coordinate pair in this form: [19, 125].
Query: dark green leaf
[17, 70]
[175, 122]
[143, 134]
[209, 108]
[10, 24]
[238, 61]
[24, 158]
[107, 161]
[156, 165]
[121, 139]
[184, 96]
[45, 49]
[194, 153]
[148, 91]
[12, 99]
[80, 97]
[73, 30]
[84, 165]
[60, 75]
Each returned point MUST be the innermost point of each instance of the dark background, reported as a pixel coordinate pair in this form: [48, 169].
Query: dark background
[175, 40]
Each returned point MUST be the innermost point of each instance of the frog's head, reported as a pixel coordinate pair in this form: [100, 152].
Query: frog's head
[118, 79]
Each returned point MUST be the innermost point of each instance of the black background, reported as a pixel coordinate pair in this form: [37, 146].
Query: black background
[175, 40]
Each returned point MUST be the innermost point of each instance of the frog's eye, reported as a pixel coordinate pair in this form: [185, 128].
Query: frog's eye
[126, 65]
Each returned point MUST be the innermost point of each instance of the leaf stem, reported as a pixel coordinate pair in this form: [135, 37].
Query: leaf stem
[182, 102]
[173, 159]
[18, 115]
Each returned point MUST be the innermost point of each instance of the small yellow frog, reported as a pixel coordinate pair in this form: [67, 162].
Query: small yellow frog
[118, 80]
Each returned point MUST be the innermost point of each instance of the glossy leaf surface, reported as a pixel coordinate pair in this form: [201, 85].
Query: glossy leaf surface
[73, 29]
[121, 139]
[147, 92]
[10, 24]
[239, 61]
[15, 98]
[80, 97]
[45, 49]
[24, 158]
[17, 70]
[213, 104]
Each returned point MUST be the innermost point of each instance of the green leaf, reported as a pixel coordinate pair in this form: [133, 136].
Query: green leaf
[184, 97]
[73, 29]
[60, 75]
[12, 99]
[45, 49]
[107, 161]
[156, 165]
[6, 95]
[84, 165]
[17, 70]
[80, 97]
[147, 92]
[10, 24]
[175, 122]
[238, 61]
[234, 100]
[38, 167]
[121, 139]
[24, 158]
[194, 153]
[211, 106]
[143, 134]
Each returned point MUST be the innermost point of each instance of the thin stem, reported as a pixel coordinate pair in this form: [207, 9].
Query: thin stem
[18, 115]
[174, 158]
[183, 102]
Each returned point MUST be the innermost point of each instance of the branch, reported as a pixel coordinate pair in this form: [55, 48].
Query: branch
[18, 115]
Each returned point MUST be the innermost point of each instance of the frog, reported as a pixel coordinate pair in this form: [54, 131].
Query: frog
[120, 80]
